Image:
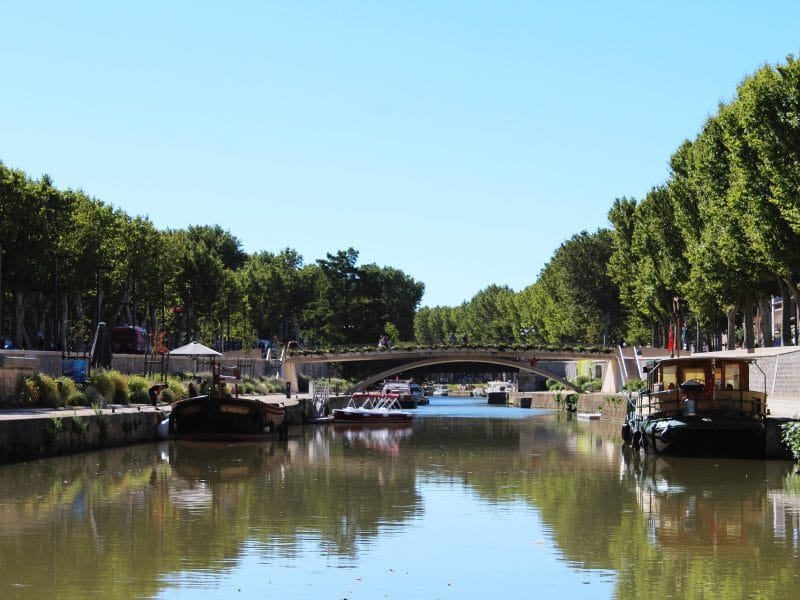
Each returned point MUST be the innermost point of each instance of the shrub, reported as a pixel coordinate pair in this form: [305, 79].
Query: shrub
[271, 385]
[67, 390]
[588, 384]
[121, 391]
[27, 393]
[167, 396]
[138, 389]
[790, 434]
[39, 390]
[634, 385]
[177, 389]
[80, 398]
[571, 403]
[249, 387]
[49, 395]
[103, 382]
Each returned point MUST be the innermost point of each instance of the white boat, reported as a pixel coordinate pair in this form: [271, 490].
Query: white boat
[441, 390]
[372, 408]
[589, 416]
[497, 391]
[410, 394]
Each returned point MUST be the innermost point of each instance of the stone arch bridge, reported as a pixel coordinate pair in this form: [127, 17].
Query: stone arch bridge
[530, 360]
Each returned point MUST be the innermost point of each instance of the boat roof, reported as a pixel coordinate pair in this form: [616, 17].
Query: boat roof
[702, 359]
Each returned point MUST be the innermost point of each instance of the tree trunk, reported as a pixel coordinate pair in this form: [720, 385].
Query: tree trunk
[731, 328]
[786, 314]
[765, 321]
[747, 325]
[20, 336]
[79, 340]
[62, 331]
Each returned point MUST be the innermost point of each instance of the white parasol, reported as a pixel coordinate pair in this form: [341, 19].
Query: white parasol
[194, 349]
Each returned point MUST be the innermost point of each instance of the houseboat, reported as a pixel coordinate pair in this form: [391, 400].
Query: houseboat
[221, 416]
[699, 406]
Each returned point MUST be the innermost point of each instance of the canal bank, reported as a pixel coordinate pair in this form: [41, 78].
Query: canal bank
[32, 433]
[781, 410]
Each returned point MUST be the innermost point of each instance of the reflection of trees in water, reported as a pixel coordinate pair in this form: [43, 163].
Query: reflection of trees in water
[101, 520]
[114, 521]
[710, 531]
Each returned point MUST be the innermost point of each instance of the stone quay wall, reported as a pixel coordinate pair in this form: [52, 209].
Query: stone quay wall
[611, 406]
[71, 432]
[12, 369]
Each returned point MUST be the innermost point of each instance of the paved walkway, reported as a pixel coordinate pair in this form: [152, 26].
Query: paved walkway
[787, 407]
[11, 414]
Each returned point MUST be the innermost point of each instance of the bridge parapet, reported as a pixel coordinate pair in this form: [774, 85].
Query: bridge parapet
[404, 352]
[409, 358]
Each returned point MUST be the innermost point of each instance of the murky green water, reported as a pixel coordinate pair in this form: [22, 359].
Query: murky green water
[471, 501]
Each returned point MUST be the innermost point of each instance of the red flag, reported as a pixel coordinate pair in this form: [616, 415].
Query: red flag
[671, 340]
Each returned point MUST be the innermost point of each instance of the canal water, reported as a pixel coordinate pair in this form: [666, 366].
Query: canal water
[470, 501]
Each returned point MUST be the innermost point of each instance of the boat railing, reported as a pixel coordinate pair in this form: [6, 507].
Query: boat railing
[374, 400]
[677, 402]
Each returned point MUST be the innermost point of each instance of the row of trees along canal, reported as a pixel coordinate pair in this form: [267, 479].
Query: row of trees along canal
[722, 233]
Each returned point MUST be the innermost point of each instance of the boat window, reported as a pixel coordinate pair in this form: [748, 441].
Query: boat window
[669, 375]
[694, 373]
[234, 410]
[731, 376]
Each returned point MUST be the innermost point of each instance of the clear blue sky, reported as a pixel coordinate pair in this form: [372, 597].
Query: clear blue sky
[461, 142]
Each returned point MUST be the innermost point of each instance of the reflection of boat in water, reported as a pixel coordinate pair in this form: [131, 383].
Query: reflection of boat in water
[212, 462]
[698, 406]
[497, 391]
[385, 440]
[372, 408]
[219, 415]
[710, 506]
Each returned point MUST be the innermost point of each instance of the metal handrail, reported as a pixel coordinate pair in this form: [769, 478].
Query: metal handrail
[672, 402]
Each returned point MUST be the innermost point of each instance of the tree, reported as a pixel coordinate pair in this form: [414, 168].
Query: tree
[575, 298]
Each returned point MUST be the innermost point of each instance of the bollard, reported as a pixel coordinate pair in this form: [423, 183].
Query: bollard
[288, 389]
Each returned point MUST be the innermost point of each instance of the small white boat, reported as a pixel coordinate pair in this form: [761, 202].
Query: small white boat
[372, 408]
[589, 416]
[497, 391]
[409, 394]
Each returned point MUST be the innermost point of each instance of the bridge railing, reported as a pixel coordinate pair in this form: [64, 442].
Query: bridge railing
[414, 347]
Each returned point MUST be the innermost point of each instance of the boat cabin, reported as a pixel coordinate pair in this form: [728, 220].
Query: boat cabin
[704, 385]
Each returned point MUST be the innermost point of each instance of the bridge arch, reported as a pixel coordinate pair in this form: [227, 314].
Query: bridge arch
[513, 364]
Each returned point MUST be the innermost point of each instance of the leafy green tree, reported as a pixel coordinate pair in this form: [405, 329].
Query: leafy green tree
[576, 299]
[490, 317]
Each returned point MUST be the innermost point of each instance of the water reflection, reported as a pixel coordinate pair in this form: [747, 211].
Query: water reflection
[385, 440]
[713, 506]
[544, 503]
